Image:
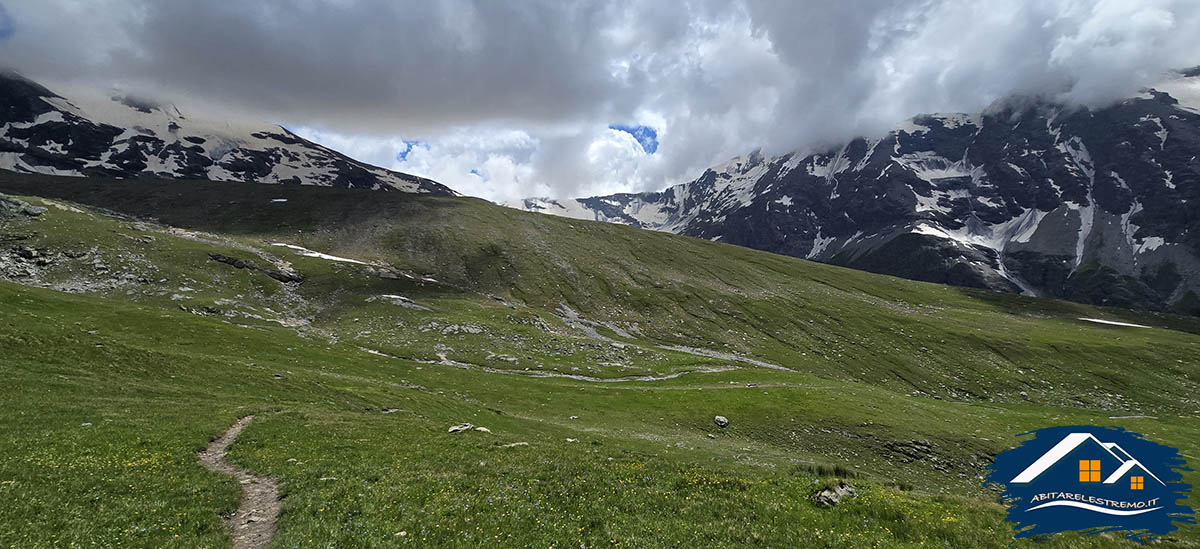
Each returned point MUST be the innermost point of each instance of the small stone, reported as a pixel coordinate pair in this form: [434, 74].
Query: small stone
[401, 533]
[721, 421]
[712, 436]
[572, 440]
[483, 429]
[460, 428]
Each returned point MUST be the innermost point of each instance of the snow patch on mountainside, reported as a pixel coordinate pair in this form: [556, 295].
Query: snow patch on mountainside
[1113, 323]
[736, 179]
[569, 207]
[992, 236]
[929, 166]
[309, 253]
[820, 243]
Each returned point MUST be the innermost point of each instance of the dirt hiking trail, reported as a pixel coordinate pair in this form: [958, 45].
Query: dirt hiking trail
[254, 523]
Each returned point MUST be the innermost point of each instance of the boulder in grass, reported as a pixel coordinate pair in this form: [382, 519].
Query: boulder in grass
[832, 496]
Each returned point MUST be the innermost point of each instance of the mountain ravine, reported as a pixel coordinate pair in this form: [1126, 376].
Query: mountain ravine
[1091, 205]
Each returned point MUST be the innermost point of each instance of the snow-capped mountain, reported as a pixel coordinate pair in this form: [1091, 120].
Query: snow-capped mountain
[121, 136]
[1099, 206]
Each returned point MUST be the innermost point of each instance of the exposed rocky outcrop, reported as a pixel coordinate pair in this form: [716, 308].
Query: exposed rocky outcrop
[12, 207]
[282, 276]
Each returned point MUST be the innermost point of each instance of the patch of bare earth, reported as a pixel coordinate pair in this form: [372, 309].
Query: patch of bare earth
[254, 523]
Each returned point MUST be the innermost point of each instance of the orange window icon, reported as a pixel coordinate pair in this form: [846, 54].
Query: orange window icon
[1135, 483]
[1089, 470]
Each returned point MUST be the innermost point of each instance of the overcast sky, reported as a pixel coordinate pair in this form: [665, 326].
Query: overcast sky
[512, 98]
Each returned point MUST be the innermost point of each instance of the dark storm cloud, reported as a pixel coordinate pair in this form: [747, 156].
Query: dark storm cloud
[516, 98]
[365, 65]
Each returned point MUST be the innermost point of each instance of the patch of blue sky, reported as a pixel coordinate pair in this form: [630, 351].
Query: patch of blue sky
[645, 135]
[408, 147]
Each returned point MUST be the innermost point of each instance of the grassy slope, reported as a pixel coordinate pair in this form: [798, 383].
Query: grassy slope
[869, 352]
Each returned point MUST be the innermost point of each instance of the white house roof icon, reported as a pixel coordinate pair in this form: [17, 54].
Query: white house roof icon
[1068, 444]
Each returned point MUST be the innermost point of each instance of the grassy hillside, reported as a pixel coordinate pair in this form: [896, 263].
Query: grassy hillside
[542, 329]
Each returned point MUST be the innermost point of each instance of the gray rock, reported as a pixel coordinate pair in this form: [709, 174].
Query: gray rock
[830, 497]
[247, 264]
[11, 207]
[721, 421]
[460, 428]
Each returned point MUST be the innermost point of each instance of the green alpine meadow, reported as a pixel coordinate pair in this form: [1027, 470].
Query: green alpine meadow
[444, 372]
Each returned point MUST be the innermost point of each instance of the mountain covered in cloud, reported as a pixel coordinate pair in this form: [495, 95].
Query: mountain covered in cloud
[1092, 205]
[126, 137]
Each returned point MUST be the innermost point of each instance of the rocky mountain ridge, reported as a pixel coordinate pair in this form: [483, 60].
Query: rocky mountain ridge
[127, 137]
[1092, 205]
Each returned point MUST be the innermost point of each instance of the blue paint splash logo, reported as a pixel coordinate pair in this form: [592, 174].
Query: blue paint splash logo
[1091, 480]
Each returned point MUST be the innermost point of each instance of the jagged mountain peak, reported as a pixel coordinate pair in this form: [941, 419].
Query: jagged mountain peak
[740, 164]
